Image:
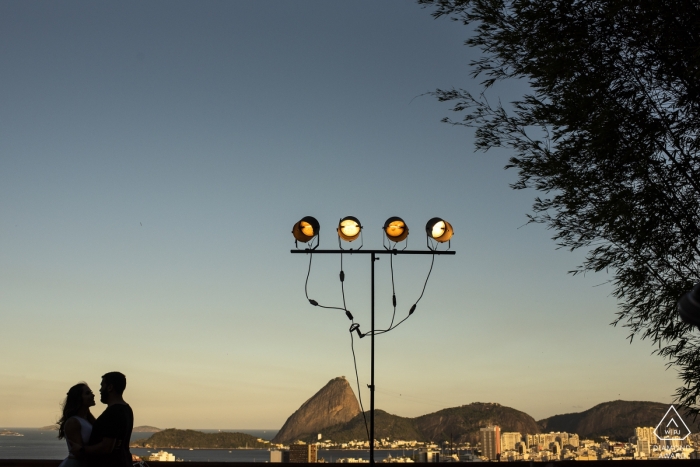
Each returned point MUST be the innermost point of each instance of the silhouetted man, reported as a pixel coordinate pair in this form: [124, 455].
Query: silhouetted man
[111, 433]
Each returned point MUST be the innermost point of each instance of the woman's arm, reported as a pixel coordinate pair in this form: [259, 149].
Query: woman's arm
[78, 449]
[73, 436]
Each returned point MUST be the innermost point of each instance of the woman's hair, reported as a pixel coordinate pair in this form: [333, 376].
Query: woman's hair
[71, 406]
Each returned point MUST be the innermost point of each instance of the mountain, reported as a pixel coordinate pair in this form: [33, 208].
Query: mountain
[616, 419]
[335, 413]
[386, 425]
[458, 424]
[463, 423]
[185, 439]
[137, 429]
[334, 404]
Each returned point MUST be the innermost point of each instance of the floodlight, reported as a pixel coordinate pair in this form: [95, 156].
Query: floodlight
[689, 306]
[439, 230]
[306, 229]
[395, 229]
[349, 228]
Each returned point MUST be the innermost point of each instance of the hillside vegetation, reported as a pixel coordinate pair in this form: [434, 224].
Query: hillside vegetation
[615, 419]
[185, 439]
[458, 424]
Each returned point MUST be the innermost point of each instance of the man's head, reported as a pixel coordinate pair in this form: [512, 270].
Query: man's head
[113, 383]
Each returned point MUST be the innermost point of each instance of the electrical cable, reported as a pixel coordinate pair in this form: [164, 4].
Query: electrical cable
[413, 308]
[355, 327]
[342, 282]
[308, 273]
[426, 282]
[352, 345]
[342, 290]
[357, 378]
[314, 302]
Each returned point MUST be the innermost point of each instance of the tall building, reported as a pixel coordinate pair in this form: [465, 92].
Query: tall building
[573, 440]
[530, 440]
[643, 446]
[428, 455]
[671, 443]
[533, 440]
[647, 433]
[278, 456]
[302, 453]
[555, 447]
[561, 438]
[491, 442]
[509, 441]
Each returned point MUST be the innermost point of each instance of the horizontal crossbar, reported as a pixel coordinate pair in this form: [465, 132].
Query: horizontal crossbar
[377, 252]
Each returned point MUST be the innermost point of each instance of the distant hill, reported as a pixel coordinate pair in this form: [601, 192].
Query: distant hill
[146, 429]
[386, 425]
[137, 429]
[185, 439]
[463, 423]
[334, 404]
[616, 419]
[458, 424]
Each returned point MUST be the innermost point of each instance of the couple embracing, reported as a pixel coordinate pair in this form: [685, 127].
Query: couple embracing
[101, 442]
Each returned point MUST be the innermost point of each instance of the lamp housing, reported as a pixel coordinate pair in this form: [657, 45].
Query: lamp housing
[439, 230]
[306, 229]
[349, 228]
[395, 229]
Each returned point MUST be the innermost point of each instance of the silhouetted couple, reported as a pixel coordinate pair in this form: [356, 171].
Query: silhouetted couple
[101, 442]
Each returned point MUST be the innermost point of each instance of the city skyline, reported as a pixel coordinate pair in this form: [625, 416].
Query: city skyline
[155, 158]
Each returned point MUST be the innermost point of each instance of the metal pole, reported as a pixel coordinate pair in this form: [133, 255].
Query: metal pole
[371, 387]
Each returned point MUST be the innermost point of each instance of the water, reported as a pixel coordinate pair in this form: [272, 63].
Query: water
[37, 444]
[34, 444]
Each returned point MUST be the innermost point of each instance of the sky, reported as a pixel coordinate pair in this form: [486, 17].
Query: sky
[154, 157]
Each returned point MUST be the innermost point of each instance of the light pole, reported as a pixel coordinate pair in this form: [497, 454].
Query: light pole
[395, 229]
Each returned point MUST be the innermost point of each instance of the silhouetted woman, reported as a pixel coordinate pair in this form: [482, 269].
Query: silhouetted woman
[76, 423]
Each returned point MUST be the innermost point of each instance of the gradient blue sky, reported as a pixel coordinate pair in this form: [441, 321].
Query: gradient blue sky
[153, 159]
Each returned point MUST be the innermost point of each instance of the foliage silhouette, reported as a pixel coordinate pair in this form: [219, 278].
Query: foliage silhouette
[609, 136]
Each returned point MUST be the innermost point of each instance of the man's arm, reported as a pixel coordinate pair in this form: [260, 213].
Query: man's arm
[103, 447]
[110, 423]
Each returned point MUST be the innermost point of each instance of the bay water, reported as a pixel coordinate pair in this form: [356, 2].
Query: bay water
[38, 444]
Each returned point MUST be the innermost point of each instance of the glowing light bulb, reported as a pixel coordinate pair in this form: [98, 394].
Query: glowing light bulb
[350, 227]
[396, 229]
[307, 229]
[439, 229]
